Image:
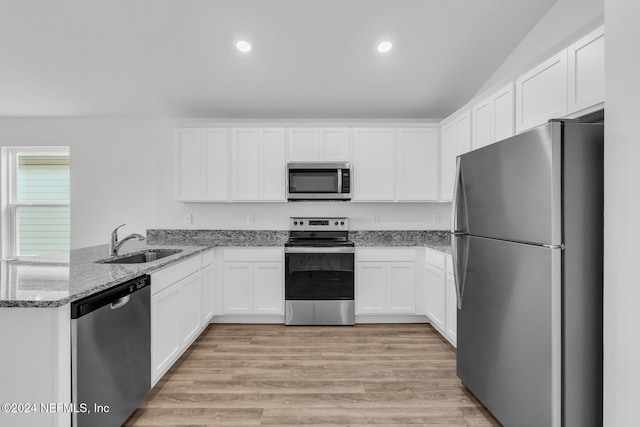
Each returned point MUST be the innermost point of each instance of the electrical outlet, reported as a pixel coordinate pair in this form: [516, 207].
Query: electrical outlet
[436, 217]
[251, 218]
[375, 218]
[188, 218]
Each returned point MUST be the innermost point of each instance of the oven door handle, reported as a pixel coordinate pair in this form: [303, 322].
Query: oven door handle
[317, 250]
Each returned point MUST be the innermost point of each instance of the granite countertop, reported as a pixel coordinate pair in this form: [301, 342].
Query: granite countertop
[58, 279]
[215, 238]
[433, 239]
[55, 280]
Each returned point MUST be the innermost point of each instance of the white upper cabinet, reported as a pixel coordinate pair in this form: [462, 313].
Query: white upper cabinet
[586, 71]
[541, 94]
[493, 118]
[258, 164]
[201, 165]
[319, 144]
[502, 114]
[272, 165]
[395, 164]
[456, 140]
[481, 118]
[373, 169]
[417, 164]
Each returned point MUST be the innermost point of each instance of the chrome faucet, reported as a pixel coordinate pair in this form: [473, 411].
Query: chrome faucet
[114, 245]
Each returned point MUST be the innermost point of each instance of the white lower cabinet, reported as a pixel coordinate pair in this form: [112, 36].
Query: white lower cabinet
[253, 281]
[385, 281]
[435, 295]
[181, 301]
[190, 307]
[208, 279]
[440, 294]
[165, 331]
[238, 287]
[451, 331]
[268, 288]
[371, 288]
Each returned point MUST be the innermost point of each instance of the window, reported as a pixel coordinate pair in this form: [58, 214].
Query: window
[38, 208]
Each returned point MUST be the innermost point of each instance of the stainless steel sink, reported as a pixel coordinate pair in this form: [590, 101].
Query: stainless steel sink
[142, 257]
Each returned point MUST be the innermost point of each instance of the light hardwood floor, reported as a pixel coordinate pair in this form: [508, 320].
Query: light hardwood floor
[274, 375]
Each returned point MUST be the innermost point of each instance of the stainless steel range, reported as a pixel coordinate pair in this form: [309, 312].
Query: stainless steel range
[319, 272]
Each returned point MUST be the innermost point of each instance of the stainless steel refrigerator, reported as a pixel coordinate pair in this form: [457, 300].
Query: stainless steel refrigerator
[527, 248]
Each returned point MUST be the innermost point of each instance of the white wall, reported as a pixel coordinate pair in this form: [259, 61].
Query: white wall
[622, 210]
[121, 172]
[564, 23]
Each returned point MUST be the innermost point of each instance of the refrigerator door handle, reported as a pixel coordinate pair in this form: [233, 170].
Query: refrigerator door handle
[457, 276]
[455, 233]
[454, 208]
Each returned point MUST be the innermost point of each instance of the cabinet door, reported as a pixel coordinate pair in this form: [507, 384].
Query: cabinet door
[371, 288]
[447, 161]
[216, 156]
[401, 287]
[245, 164]
[165, 330]
[304, 144]
[481, 121]
[268, 288]
[272, 165]
[237, 288]
[335, 144]
[456, 140]
[463, 133]
[502, 106]
[208, 281]
[190, 308]
[452, 311]
[417, 164]
[586, 71]
[541, 94]
[189, 164]
[435, 294]
[373, 165]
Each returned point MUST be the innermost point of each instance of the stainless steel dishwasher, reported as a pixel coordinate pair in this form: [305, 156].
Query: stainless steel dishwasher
[111, 353]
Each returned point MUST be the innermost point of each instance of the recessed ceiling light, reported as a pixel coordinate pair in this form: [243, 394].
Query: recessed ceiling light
[384, 47]
[243, 46]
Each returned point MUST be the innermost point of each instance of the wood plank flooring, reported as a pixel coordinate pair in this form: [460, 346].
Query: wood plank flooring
[274, 375]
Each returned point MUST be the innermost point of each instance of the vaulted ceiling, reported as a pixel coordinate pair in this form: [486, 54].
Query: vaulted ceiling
[310, 58]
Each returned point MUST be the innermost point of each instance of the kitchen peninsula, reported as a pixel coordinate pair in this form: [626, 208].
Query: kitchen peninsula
[36, 296]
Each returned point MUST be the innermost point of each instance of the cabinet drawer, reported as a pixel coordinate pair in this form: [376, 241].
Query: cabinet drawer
[435, 258]
[253, 254]
[207, 258]
[170, 275]
[386, 254]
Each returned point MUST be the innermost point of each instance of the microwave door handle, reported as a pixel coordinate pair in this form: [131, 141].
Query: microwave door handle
[339, 181]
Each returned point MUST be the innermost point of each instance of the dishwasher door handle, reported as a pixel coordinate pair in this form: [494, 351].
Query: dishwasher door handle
[120, 303]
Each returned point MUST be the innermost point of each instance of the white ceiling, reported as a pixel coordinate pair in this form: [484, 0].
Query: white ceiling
[310, 58]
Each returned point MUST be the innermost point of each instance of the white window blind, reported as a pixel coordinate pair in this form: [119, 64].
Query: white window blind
[40, 201]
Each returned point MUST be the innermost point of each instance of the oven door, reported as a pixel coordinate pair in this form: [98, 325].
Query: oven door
[319, 273]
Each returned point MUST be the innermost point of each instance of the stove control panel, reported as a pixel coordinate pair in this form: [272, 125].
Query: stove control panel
[320, 224]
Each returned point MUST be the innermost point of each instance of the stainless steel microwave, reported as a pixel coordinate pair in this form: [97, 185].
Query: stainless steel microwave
[319, 181]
